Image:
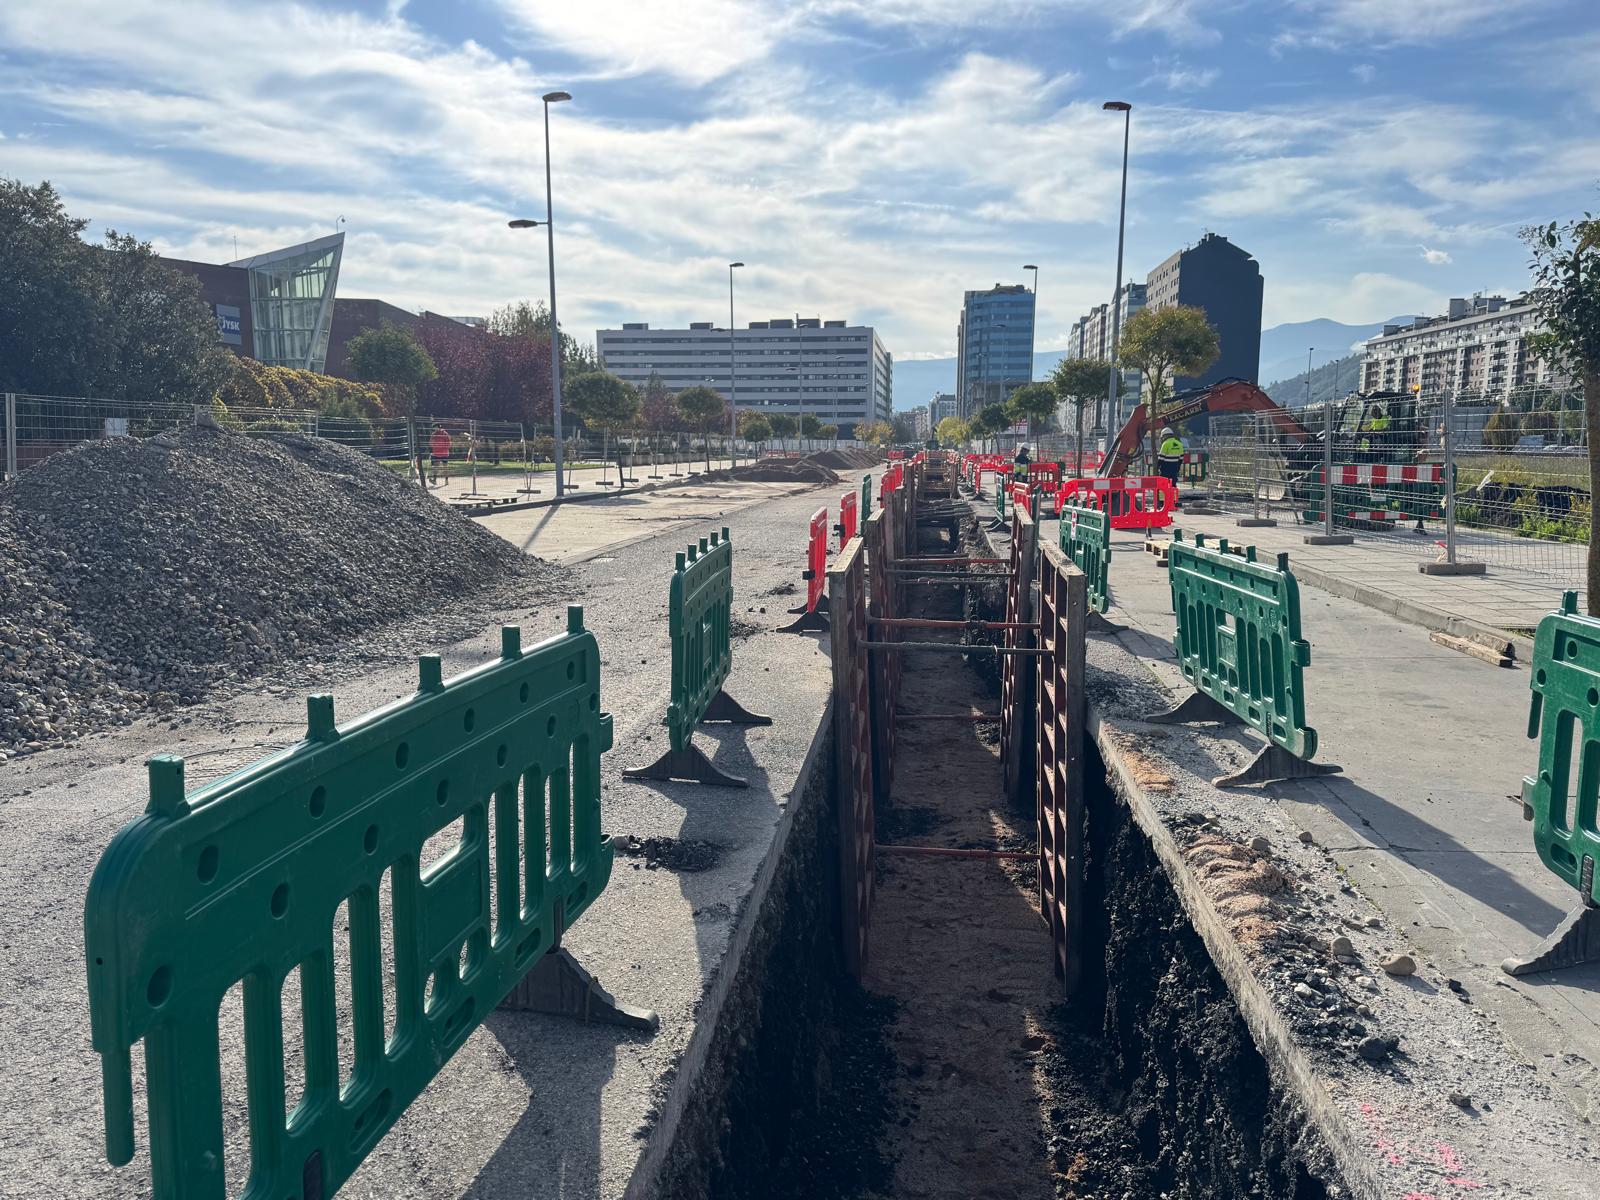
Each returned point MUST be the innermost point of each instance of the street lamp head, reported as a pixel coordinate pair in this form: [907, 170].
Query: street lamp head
[524, 223]
[556, 97]
[1029, 267]
[1116, 106]
[731, 266]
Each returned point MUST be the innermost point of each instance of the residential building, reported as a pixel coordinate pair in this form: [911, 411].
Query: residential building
[1090, 337]
[994, 345]
[839, 373]
[920, 423]
[276, 307]
[1225, 281]
[941, 406]
[1478, 349]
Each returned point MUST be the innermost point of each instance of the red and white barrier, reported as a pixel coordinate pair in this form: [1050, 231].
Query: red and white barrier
[1132, 501]
[847, 517]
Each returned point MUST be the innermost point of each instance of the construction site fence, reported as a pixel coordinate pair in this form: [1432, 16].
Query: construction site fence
[36, 427]
[1492, 485]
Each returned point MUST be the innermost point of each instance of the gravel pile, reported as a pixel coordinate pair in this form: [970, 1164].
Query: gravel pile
[137, 574]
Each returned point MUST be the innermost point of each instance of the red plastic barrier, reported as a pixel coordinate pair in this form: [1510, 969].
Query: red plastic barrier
[847, 518]
[891, 480]
[1134, 501]
[1023, 494]
[1046, 473]
[817, 559]
[896, 455]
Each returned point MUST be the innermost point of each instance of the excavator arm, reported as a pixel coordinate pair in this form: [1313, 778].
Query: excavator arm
[1227, 396]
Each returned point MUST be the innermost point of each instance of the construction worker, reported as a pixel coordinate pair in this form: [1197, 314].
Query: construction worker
[1169, 455]
[1019, 465]
[1374, 433]
[439, 452]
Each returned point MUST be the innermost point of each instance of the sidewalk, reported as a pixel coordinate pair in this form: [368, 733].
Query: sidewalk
[1424, 819]
[1384, 574]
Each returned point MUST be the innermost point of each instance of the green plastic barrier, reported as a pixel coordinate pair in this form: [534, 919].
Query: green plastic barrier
[1562, 715]
[241, 880]
[1085, 537]
[1238, 641]
[699, 621]
[1561, 799]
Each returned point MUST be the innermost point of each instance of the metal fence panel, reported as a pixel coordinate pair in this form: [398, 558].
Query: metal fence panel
[241, 881]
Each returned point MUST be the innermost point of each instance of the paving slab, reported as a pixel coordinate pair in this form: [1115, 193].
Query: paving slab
[531, 1106]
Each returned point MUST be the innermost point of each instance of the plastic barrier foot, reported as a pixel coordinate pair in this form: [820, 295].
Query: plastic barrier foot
[559, 985]
[689, 765]
[822, 607]
[814, 621]
[1197, 706]
[1274, 763]
[1099, 624]
[1576, 940]
[723, 707]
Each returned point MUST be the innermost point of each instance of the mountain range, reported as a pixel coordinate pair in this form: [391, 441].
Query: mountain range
[1283, 357]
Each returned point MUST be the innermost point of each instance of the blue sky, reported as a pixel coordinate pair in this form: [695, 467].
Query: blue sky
[869, 159]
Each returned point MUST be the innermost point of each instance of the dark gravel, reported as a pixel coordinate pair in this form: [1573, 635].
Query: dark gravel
[137, 574]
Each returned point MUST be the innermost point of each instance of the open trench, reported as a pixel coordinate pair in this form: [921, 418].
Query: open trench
[956, 1068]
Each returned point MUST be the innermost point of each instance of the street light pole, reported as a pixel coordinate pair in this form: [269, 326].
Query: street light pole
[1113, 392]
[555, 329]
[1034, 325]
[733, 381]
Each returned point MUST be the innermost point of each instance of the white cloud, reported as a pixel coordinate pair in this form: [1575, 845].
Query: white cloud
[1364, 72]
[1436, 258]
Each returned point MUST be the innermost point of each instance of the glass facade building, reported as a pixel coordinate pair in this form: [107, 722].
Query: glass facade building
[994, 346]
[291, 302]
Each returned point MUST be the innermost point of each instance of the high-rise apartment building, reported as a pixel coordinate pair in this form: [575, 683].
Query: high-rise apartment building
[1090, 337]
[1225, 281]
[994, 345]
[1478, 349]
[942, 405]
[841, 374]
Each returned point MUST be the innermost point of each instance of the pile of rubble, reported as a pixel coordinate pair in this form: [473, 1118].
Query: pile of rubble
[137, 574]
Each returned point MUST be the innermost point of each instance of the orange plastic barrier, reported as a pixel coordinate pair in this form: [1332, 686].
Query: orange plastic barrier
[814, 613]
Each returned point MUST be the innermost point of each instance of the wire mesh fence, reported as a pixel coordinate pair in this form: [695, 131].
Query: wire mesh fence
[1448, 480]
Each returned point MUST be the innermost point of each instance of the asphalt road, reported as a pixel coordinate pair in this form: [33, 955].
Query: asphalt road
[530, 1106]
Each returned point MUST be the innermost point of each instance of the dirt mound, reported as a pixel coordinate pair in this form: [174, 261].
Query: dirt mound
[845, 460]
[774, 470]
[135, 574]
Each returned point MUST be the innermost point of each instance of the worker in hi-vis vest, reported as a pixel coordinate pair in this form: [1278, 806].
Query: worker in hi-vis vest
[1170, 455]
[1375, 433]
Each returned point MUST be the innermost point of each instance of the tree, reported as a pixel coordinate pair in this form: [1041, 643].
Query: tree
[810, 425]
[904, 429]
[1033, 402]
[1080, 382]
[952, 432]
[702, 407]
[532, 321]
[990, 420]
[829, 433]
[604, 402]
[1162, 343]
[783, 425]
[1566, 295]
[112, 320]
[754, 428]
[875, 433]
[391, 356]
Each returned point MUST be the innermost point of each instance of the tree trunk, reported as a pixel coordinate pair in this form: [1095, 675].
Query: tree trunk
[705, 432]
[1591, 420]
[1078, 466]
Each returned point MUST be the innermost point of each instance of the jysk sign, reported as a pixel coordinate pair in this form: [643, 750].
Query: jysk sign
[228, 325]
